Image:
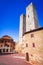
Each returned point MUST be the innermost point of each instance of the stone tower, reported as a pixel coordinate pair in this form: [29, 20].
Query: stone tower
[28, 22]
[22, 27]
[31, 18]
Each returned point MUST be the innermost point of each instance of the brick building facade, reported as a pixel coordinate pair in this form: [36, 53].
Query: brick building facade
[7, 44]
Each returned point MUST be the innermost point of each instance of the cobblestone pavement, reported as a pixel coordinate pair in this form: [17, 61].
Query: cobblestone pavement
[13, 60]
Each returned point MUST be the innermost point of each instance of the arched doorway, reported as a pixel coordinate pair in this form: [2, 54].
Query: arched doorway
[27, 57]
[3, 50]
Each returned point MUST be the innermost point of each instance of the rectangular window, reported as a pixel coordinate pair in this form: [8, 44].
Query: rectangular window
[26, 45]
[33, 44]
[32, 35]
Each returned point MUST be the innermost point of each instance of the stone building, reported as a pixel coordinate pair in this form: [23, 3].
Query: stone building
[18, 48]
[7, 44]
[33, 44]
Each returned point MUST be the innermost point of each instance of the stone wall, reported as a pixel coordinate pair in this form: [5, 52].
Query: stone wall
[34, 41]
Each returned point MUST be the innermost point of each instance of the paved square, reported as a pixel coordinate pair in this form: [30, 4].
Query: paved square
[13, 59]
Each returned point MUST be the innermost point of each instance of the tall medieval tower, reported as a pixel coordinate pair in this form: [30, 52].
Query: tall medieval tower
[31, 18]
[22, 28]
[28, 22]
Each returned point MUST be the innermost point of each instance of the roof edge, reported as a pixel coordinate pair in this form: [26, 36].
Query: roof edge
[41, 28]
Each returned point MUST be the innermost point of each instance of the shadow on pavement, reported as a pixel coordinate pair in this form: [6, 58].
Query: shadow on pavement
[5, 54]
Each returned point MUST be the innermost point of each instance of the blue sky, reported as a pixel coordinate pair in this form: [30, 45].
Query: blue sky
[10, 11]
